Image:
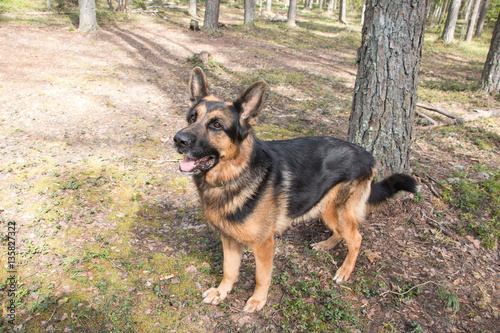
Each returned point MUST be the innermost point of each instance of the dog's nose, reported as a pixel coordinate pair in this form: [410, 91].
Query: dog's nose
[183, 139]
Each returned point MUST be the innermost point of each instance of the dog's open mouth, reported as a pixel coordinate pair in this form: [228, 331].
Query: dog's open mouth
[190, 165]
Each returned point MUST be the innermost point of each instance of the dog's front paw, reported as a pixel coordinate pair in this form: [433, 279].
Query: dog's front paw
[342, 274]
[213, 296]
[254, 305]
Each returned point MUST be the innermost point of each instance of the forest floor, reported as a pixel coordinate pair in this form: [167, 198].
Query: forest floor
[110, 237]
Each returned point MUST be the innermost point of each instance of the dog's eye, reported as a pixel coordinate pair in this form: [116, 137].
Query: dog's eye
[192, 118]
[216, 125]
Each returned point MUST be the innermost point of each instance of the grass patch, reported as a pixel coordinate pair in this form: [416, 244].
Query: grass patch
[479, 204]
[308, 307]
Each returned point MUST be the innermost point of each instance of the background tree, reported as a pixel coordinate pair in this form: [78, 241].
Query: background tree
[385, 93]
[249, 15]
[343, 11]
[490, 80]
[451, 21]
[268, 5]
[211, 19]
[292, 13]
[473, 20]
[88, 19]
[192, 7]
[482, 18]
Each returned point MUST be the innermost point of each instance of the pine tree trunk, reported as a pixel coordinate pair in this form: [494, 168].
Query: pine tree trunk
[343, 11]
[292, 13]
[249, 15]
[490, 80]
[211, 20]
[385, 93]
[482, 18]
[88, 20]
[473, 20]
[451, 21]
[268, 5]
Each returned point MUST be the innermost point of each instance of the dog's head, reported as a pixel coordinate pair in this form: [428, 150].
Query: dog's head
[216, 129]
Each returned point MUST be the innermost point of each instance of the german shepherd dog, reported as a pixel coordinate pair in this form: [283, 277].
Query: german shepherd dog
[251, 189]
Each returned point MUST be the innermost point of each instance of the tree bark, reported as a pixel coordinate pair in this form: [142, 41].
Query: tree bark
[482, 18]
[211, 19]
[249, 15]
[490, 79]
[192, 7]
[385, 93]
[451, 21]
[473, 20]
[292, 13]
[88, 19]
[343, 11]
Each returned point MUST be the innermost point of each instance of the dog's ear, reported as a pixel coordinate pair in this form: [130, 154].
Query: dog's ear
[250, 102]
[198, 87]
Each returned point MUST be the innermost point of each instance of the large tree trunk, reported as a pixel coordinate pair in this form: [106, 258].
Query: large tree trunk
[292, 13]
[482, 18]
[88, 20]
[385, 93]
[249, 15]
[490, 80]
[451, 21]
[473, 20]
[211, 19]
[343, 11]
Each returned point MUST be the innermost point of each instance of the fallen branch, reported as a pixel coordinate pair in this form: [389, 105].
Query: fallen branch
[434, 223]
[467, 118]
[406, 292]
[438, 110]
[427, 118]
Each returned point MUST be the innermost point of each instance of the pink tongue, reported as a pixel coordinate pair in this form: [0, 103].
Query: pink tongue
[187, 165]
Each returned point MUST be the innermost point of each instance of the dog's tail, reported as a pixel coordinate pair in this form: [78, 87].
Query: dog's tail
[391, 185]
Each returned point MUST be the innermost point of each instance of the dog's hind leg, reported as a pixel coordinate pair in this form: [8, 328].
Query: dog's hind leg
[263, 268]
[348, 230]
[343, 219]
[231, 267]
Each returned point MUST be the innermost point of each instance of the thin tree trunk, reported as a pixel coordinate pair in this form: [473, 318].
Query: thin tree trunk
[249, 15]
[473, 20]
[443, 10]
[467, 10]
[482, 18]
[211, 20]
[192, 7]
[330, 6]
[292, 13]
[88, 19]
[385, 93]
[268, 5]
[490, 79]
[451, 21]
[343, 11]
[363, 15]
